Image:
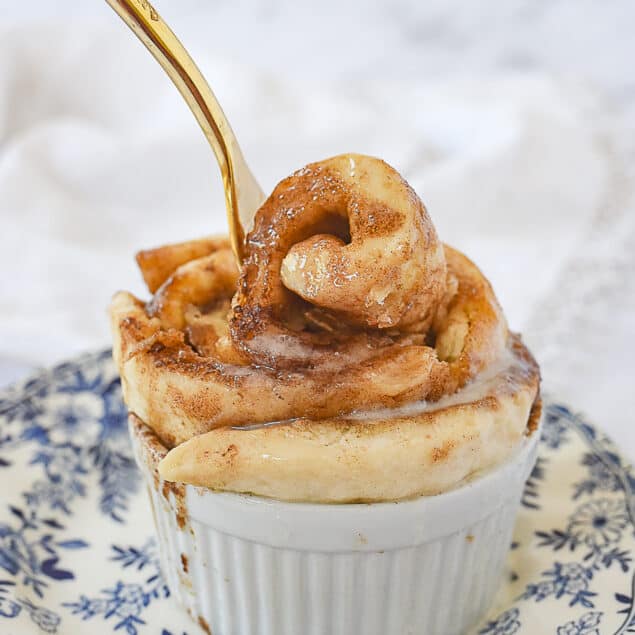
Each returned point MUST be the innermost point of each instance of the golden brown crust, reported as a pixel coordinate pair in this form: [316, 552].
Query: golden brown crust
[346, 302]
[369, 458]
[194, 283]
[346, 236]
[158, 264]
[183, 393]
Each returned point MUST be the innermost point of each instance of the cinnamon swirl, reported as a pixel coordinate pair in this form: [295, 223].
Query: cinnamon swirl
[354, 357]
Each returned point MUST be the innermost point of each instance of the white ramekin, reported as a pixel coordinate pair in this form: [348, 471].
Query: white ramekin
[244, 565]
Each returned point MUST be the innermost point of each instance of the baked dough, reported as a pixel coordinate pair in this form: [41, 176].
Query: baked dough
[353, 358]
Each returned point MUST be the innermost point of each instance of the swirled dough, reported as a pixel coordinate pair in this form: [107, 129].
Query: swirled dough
[347, 303]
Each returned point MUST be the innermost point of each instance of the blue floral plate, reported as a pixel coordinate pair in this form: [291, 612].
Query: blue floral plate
[77, 553]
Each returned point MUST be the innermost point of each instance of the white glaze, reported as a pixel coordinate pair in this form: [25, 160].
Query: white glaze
[484, 384]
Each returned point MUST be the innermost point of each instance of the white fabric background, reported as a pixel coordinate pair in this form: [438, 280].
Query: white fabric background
[514, 123]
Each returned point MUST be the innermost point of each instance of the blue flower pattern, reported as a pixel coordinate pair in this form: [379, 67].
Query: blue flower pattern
[593, 532]
[586, 625]
[68, 427]
[506, 624]
[125, 603]
[49, 421]
[45, 619]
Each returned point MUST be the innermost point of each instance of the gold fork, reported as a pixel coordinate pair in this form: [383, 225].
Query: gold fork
[243, 195]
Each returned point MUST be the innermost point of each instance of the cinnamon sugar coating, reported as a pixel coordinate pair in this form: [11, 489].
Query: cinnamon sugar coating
[347, 301]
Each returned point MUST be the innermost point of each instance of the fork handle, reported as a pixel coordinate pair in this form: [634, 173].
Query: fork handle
[242, 192]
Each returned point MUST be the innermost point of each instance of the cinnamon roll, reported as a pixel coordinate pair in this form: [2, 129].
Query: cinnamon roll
[353, 357]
